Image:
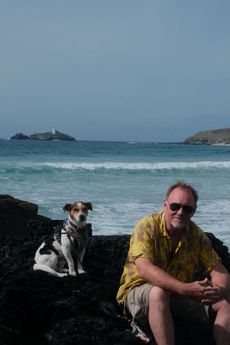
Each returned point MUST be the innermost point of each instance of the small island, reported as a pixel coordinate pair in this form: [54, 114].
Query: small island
[53, 135]
[210, 137]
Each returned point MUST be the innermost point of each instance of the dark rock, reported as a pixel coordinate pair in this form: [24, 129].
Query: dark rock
[39, 309]
[20, 136]
[14, 214]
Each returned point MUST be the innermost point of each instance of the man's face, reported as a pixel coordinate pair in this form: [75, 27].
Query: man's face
[179, 207]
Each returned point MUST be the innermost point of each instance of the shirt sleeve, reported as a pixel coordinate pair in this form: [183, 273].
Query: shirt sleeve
[208, 255]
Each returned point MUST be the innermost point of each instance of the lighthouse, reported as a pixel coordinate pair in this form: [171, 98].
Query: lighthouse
[53, 130]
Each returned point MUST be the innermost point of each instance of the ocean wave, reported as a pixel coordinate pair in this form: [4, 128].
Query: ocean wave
[140, 165]
[132, 166]
[110, 218]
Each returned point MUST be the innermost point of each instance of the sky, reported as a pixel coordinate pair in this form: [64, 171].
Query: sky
[135, 70]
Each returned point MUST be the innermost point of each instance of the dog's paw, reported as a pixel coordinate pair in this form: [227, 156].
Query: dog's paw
[73, 274]
[61, 275]
[81, 271]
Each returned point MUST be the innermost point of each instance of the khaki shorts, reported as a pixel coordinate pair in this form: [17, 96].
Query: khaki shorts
[182, 307]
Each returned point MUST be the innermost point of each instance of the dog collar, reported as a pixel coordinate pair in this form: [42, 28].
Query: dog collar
[72, 224]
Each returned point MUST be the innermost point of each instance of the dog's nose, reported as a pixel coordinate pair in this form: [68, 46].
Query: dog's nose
[81, 217]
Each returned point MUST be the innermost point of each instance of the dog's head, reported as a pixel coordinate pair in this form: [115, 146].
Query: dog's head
[78, 211]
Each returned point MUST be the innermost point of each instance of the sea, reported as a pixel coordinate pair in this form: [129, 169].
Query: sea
[124, 181]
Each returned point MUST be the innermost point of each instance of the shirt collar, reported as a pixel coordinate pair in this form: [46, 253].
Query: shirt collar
[163, 231]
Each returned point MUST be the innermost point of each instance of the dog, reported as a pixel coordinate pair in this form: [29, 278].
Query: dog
[67, 244]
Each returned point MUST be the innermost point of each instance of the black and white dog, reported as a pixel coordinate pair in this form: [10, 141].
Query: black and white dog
[68, 244]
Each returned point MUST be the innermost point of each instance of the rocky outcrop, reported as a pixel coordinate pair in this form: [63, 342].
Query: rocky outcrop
[20, 136]
[15, 214]
[212, 137]
[40, 309]
[51, 136]
[44, 136]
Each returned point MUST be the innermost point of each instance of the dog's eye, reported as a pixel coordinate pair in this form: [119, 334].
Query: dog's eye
[84, 209]
[76, 209]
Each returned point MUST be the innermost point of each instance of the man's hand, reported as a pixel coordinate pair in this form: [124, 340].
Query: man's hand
[203, 291]
[213, 296]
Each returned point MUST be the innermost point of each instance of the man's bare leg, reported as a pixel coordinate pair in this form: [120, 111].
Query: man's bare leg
[222, 323]
[160, 318]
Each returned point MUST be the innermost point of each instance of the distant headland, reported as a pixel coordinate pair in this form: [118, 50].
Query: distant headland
[207, 137]
[212, 137]
[53, 135]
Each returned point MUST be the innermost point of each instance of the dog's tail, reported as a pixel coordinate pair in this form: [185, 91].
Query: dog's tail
[40, 267]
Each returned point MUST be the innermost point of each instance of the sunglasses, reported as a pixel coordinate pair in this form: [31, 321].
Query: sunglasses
[186, 208]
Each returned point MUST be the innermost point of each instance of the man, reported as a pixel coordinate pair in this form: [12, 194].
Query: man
[159, 282]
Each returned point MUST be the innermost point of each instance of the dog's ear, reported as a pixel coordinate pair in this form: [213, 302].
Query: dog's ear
[89, 205]
[67, 207]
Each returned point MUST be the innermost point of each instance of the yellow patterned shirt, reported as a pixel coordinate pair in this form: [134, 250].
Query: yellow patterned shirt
[150, 240]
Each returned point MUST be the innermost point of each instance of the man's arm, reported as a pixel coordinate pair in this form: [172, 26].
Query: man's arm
[220, 279]
[158, 277]
[220, 276]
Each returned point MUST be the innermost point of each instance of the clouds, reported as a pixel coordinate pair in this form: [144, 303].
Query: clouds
[117, 68]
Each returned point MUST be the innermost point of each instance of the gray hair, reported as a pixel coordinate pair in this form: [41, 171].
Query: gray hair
[183, 185]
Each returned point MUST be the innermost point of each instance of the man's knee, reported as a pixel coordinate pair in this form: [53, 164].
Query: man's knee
[222, 306]
[159, 298]
[158, 294]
